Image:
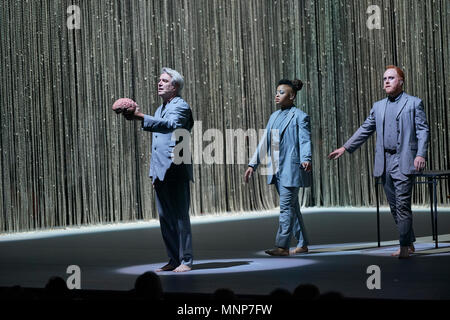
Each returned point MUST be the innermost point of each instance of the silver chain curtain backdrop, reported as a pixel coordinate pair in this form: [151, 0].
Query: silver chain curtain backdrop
[68, 160]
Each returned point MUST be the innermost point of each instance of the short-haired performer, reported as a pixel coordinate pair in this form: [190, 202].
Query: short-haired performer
[401, 149]
[170, 178]
[287, 143]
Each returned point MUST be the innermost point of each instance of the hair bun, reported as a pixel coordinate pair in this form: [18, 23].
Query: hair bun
[297, 84]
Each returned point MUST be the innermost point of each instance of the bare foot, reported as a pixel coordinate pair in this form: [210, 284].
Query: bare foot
[182, 268]
[167, 267]
[411, 249]
[299, 250]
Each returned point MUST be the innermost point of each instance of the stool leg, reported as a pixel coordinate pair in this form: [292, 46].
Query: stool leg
[430, 191]
[435, 211]
[378, 212]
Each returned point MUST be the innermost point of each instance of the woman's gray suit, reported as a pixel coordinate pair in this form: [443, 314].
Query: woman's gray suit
[287, 174]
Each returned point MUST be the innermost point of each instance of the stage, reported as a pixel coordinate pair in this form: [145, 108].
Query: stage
[229, 253]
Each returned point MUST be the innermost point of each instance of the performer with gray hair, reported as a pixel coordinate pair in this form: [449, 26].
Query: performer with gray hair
[170, 178]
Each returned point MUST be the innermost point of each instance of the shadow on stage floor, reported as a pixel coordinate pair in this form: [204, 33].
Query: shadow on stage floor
[229, 253]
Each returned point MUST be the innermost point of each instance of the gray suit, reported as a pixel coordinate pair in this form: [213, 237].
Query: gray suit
[294, 149]
[396, 166]
[171, 181]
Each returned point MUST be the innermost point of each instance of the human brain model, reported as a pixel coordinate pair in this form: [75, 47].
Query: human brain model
[124, 105]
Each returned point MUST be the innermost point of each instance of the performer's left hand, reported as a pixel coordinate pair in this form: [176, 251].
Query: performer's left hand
[419, 163]
[307, 166]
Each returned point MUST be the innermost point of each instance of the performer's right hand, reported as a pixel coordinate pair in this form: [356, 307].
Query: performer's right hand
[136, 115]
[248, 174]
[336, 153]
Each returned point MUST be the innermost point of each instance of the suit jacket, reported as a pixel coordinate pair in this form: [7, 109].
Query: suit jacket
[294, 148]
[176, 115]
[412, 133]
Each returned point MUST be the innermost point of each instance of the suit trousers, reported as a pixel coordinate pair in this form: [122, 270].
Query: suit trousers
[173, 201]
[398, 189]
[291, 220]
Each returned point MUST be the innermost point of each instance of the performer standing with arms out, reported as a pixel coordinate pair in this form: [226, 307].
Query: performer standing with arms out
[401, 149]
[170, 180]
[287, 140]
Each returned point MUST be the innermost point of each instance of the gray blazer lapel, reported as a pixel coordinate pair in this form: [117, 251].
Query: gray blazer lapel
[288, 119]
[169, 105]
[403, 101]
[382, 114]
[163, 112]
[158, 112]
[269, 127]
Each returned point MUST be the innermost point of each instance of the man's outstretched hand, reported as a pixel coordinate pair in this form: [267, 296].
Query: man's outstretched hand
[336, 153]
